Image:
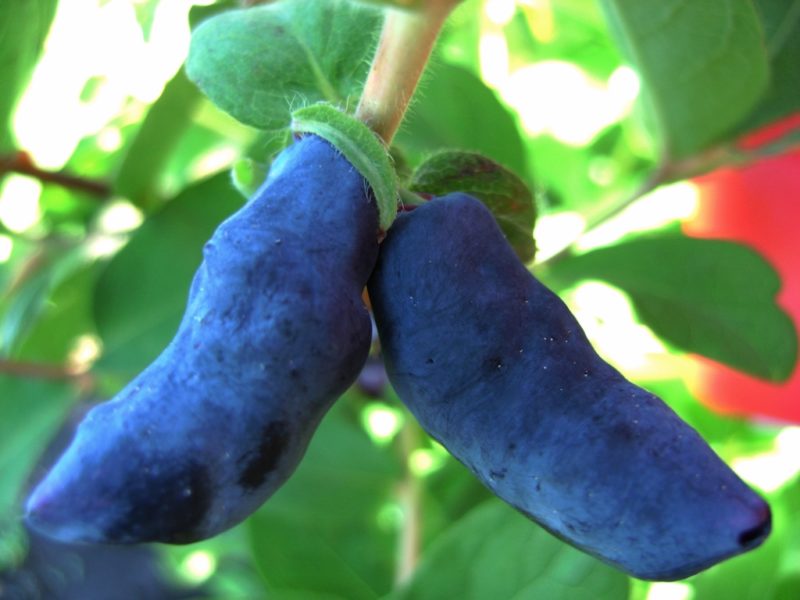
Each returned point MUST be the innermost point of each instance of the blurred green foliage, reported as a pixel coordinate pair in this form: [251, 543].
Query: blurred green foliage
[94, 286]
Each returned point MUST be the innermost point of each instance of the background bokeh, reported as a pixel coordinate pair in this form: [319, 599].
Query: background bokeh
[115, 169]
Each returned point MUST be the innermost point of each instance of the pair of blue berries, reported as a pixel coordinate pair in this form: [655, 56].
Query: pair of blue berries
[491, 363]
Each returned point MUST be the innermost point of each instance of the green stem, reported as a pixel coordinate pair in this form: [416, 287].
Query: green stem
[406, 43]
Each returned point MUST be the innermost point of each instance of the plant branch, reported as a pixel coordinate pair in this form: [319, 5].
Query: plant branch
[668, 172]
[33, 370]
[409, 495]
[406, 43]
[20, 162]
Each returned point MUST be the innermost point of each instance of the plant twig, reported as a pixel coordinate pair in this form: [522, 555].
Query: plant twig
[20, 162]
[406, 43]
[409, 495]
[725, 155]
[34, 370]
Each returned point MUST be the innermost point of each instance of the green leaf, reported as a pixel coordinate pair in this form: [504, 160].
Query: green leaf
[166, 123]
[23, 27]
[30, 413]
[702, 63]
[453, 109]
[67, 314]
[494, 552]
[412, 4]
[321, 532]
[23, 304]
[505, 194]
[781, 21]
[140, 297]
[259, 63]
[713, 297]
[360, 146]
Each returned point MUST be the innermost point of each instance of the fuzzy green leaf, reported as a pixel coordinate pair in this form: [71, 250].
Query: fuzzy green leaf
[259, 63]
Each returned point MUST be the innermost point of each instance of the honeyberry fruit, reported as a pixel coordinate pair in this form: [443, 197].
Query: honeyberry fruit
[496, 368]
[274, 331]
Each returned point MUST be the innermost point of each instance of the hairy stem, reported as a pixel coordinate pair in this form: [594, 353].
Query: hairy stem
[20, 162]
[406, 43]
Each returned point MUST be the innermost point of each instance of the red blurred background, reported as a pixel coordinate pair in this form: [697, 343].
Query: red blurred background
[759, 205]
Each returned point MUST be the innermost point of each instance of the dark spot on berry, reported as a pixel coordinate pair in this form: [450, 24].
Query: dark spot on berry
[260, 462]
[166, 505]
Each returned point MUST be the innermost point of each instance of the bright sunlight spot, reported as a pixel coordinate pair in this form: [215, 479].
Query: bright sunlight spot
[213, 161]
[665, 205]
[85, 350]
[499, 12]
[669, 590]
[381, 421]
[559, 99]
[19, 203]
[119, 216]
[493, 52]
[116, 59]
[6, 247]
[772, 470]
[623, 85]
[198, 566]
[424, 461]
[109, 139]
[101, 245]
[554, 232]
[606, 314]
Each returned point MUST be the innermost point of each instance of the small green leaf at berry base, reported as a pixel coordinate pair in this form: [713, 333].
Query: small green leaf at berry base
[504, 194]
[360, 146]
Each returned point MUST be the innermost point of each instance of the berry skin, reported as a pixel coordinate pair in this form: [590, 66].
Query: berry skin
[274, 331]
[496, 368]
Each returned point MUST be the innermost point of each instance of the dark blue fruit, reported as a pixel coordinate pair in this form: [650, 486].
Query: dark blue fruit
[496, 368]
[274, 331]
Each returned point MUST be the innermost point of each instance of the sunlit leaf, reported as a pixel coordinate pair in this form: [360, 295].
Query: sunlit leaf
[140, 297]
[328, 515]
[494, 552]
[713, 297]
[781, 21]
[454, 110]
[702, 63]
[167, 121]
[23, 27]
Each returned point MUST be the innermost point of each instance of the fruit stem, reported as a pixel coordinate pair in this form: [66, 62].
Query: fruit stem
[406, 43]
